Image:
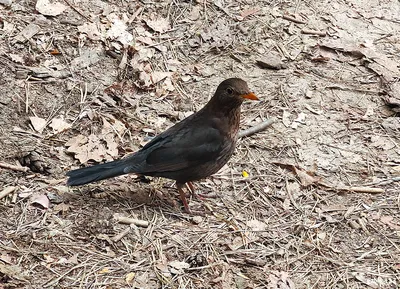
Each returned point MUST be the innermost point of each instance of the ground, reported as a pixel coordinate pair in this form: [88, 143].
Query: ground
[312, 201]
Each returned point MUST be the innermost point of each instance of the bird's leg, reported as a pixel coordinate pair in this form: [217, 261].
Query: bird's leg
[200, 196]
[183, 197]
[190, 187]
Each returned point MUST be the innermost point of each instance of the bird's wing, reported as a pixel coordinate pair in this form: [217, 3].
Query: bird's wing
[182, 149]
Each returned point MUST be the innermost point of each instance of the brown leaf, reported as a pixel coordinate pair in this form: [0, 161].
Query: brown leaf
[48, 8]
[91, 30]
[59, 125]
[376, 61]
[41, 200]
[306, 178]
[388, 220]
[248, 12]
[160, 24]
[38, 123]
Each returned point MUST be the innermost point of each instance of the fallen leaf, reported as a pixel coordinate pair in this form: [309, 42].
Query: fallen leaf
[256, 225]
[48, 8]
[41, 200]
[130, 277]
[27, 33]
[301, 117]
[367, 281]
[91, 30]
[160, 24]
[87, 58]
[195, 13]
[177, 267]
[248, 12]
[38, 123]
[306, 178]
[59, 124]
[98, 147]
[279, 279]
[104, 271]
[16, 58]
[157, 76]
[118, 31]
[388, 220]
[376, 61]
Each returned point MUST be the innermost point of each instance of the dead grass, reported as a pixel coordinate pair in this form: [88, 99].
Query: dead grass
[296, 221]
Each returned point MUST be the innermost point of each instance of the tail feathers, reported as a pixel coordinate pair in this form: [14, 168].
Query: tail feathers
[96, 173]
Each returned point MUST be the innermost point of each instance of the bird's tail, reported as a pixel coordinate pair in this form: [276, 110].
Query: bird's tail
[96, 173]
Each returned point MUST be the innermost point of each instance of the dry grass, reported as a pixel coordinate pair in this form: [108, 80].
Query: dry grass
[267, 230]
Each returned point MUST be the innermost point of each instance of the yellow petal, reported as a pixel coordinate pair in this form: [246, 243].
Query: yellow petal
[129, 277]
[104, 270]
[245, 174]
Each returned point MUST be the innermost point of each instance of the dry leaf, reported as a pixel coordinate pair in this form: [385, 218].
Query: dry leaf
[279, 280]
[38, 123]
[118, 32]
[248, 12]
[87, 58]
[16, 58]
[306, 178]
[59, 125]
[256, 225]
[365, 280]
[299, 120]
[129, 278]
[378, 62]
[47, 8]
[195, 13]
[388, 220]
[27, 33]
[95, 147]
[157, 76]
[91, 30]
[160, 25]
[41, 200]
[104, 271]
[177, 267]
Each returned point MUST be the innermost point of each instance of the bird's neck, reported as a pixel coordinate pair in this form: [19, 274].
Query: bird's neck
[229, 116]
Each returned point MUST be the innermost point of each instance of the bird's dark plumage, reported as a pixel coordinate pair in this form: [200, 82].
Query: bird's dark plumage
[192, 149]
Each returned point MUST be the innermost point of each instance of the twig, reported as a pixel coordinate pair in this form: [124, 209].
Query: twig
[293, 19]
[362, 190]
[313, 32]
[385, 182]
[13, 167]
[7, 191]
[118, 237]
[126, 220]
[257, 128]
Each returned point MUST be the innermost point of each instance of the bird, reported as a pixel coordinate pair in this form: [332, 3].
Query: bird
[191, 150]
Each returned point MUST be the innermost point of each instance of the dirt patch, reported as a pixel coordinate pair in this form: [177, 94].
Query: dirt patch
[311, 202]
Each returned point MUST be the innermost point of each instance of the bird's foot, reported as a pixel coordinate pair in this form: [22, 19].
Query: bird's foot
[190, 186]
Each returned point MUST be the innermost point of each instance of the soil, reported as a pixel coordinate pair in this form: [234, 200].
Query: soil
[312, 201]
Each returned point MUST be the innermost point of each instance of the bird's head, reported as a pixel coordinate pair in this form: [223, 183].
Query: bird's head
[232, 92]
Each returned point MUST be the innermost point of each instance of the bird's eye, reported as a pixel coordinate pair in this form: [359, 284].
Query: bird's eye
[229, 90]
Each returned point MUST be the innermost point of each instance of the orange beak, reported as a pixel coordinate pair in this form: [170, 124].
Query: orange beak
[250, 95]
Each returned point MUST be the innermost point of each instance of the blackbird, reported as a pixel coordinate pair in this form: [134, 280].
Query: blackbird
[192, 149]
